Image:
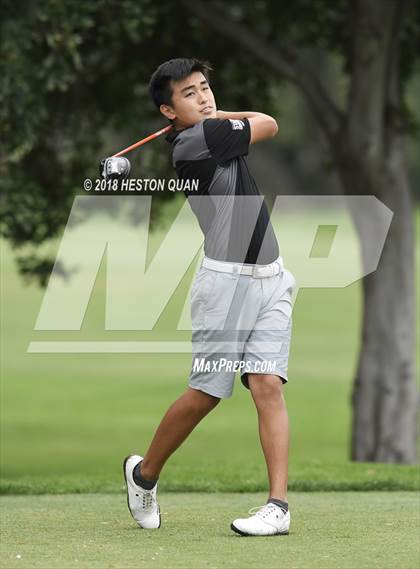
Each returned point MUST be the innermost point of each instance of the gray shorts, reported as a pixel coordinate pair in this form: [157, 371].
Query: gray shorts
[239, 324]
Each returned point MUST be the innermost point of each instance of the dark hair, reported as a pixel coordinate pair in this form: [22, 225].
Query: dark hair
[173, 70]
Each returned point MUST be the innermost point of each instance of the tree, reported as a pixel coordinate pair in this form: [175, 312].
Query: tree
[377, 41]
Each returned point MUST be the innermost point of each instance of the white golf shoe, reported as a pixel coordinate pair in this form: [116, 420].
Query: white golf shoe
[142, 503]
[268, 520]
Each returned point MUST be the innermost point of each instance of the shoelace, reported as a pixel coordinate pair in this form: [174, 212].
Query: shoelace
[263, 511]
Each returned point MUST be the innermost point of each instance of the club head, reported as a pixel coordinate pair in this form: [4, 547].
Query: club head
[115, 168]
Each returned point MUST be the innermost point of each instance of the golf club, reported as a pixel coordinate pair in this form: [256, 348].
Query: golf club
[117, 168]
[142, 141]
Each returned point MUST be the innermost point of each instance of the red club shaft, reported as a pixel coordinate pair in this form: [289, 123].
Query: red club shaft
[143, 141]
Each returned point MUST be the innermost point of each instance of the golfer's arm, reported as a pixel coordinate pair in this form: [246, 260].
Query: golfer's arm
[262, 126]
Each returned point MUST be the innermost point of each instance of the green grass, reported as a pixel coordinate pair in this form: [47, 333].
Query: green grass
[67, 420]
[329, 530]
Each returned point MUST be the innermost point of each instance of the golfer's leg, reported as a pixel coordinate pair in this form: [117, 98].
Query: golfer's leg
[178, 422]
[267, 392]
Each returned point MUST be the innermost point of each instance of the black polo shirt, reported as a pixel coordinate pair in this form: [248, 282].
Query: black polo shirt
[230, 210]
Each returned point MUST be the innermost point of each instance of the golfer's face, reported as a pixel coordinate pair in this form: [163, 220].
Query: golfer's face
[192, 100]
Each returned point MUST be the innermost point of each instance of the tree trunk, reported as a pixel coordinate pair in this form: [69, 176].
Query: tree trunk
[371, 161]
[385, 396]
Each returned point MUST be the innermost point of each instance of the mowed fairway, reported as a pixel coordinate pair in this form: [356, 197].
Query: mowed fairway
[329, 530]
[68, 420]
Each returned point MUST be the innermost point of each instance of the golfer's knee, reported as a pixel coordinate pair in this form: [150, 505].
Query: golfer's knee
[266, 389]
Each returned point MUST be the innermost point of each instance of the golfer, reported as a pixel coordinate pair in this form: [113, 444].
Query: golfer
[241, 298]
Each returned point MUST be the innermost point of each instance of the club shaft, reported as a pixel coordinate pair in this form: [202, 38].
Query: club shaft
[143, 141]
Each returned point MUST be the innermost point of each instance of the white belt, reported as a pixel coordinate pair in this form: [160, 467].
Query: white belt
[256, 271]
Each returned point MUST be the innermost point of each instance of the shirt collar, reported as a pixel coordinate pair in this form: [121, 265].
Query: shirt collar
[172, 134]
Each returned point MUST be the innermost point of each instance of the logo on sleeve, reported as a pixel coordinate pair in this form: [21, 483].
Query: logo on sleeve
[237, 124]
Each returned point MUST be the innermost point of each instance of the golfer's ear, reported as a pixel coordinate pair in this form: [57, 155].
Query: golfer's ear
[168, 112]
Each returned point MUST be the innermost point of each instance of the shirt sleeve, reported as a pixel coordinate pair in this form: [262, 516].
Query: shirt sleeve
[227, 138]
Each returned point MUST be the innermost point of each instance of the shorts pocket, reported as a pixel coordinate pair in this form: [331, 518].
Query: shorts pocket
[203, 285]
[201, 294]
